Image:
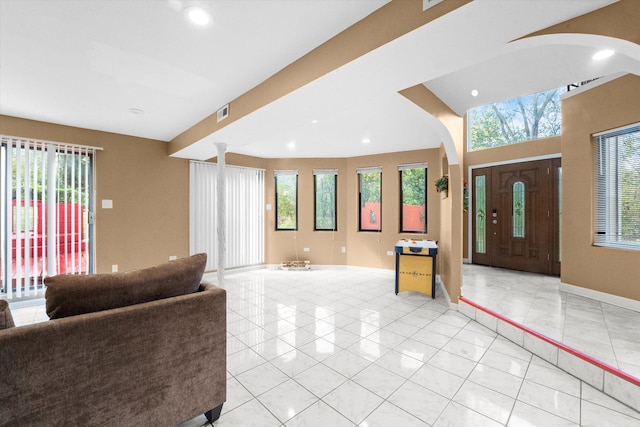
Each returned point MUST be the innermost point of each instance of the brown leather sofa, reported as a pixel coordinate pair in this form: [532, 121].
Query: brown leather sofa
[128, 349]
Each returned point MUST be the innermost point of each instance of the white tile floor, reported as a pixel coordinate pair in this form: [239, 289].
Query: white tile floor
[338, 348]
[603, 331]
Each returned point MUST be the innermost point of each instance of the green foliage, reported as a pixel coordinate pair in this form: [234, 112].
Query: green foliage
[71, 171]
[515, 120]
[286, 202]
[413, 186]
[370, 187]
[629, 172]
[442, 183]
[325, 202]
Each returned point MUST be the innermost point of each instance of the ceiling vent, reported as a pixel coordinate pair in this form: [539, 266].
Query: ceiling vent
[223, 113]
[426, 4]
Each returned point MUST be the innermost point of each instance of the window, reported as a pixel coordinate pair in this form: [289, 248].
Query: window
[286, 199]
[413, 193]
[617, 187]
[370, 198]
[515, 120]
[480, 213]
[324, 188]
[518, 213]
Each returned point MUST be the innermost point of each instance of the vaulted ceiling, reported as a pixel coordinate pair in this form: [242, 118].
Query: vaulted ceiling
[138, 67]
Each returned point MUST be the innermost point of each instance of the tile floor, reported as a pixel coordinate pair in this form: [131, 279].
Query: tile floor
[337, 347]
[603, 331]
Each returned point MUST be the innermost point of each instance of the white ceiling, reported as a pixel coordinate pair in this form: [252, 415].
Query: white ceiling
[87, 63]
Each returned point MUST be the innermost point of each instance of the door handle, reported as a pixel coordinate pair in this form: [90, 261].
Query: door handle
[495, 221]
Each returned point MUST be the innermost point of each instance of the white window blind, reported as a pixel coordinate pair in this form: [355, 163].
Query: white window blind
[285, 172]
[46, 214]
[245, 216]
[412, 166]
[617, 187]
[325, 171]
[369, 169]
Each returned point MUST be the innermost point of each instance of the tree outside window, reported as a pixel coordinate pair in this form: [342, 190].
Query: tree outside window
[370, 194]
[515, 120]
[286, 200]
[325, 200]
[413, 194]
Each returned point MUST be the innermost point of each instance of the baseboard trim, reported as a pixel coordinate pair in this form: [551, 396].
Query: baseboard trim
[616, 300]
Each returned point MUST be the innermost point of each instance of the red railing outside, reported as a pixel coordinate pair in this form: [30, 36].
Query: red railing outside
[70, 241]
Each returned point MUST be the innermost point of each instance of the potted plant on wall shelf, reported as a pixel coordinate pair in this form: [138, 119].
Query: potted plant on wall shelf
[442, 186]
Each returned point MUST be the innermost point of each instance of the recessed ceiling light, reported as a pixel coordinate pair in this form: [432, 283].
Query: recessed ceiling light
[314, 121]
[136, 111]
[198, 15]
[366, 141]
[603, 54]
[291, 145]
[474, 92]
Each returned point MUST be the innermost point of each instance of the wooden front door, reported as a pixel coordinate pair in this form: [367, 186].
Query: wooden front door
[516, 216]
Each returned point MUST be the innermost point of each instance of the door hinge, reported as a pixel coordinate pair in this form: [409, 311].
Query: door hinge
[548, 171]
[91, 218]
[548, 257]
[548, 214]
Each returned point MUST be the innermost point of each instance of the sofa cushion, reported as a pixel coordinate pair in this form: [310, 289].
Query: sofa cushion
[70, 295]
[6, 320]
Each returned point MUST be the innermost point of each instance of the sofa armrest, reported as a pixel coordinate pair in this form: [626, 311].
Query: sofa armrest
[156, 363]
[6, 320]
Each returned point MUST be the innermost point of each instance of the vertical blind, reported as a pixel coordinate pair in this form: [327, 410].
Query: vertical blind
[245, 216]
[617, 187]
[45, 212]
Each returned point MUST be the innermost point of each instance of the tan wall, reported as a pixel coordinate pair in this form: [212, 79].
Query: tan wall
[150, 217]
[366, 249]
[324, 246]
[450, 247]
[603, 107]
[369, 249]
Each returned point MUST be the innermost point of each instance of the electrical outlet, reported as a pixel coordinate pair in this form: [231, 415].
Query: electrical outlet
[344, 249]
[306, 249]
[172, 257]
[114, 268]
[390, 253]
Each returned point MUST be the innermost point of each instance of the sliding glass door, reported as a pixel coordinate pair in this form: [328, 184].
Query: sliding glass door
[46, 213]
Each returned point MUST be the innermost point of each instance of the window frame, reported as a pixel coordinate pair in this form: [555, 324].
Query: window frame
[401, 169]
[361, 171]
[324, 172]
[607, 195]
[278, 173]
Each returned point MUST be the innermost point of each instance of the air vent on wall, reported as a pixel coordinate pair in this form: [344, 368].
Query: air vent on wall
[426, 4]
[223, 112]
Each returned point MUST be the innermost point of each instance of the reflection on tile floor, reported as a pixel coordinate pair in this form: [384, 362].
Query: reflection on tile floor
[603, 331]
[337, 347]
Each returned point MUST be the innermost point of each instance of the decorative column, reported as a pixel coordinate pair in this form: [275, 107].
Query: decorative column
[222, 211]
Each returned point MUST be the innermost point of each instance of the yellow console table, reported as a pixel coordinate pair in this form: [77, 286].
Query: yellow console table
[416, 266]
